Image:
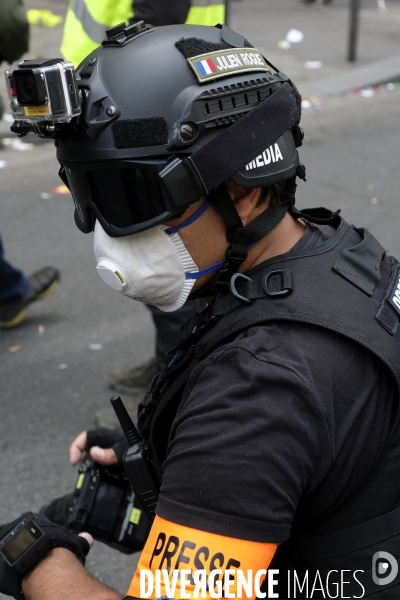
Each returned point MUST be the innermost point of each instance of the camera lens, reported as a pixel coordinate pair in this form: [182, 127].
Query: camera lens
[28, 88]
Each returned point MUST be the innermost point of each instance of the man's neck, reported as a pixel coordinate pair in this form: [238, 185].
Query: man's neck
[279, 241]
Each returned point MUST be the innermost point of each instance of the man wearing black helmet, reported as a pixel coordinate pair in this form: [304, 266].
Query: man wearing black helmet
[83, 31]
[275, 422]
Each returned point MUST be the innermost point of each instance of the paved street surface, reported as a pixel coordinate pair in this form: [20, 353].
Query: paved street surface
[351, 152]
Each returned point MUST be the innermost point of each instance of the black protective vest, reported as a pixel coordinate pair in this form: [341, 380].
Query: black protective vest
[347, 285]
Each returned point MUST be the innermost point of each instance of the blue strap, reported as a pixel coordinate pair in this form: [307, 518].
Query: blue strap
[196, 215]
[204, 271]
[212, 268]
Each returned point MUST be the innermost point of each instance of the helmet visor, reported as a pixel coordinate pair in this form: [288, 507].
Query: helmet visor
[125, 196]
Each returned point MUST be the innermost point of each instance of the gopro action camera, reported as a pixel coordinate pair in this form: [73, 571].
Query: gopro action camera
[43, 90]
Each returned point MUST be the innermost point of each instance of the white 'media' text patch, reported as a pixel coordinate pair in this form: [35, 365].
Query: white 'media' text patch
[271, 154]
[394, 296]
[227, 62]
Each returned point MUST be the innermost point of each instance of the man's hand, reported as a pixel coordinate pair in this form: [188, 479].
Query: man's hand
[105, 446]
[59, 575]
[56, 536]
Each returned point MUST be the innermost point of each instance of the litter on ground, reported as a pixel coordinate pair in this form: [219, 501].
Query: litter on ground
[17, 144]
[61, 190]
[283, 45]
[313, 64]
[294, 36]
[95, 346]
[367, 93]
[311, 102]
[14, 349]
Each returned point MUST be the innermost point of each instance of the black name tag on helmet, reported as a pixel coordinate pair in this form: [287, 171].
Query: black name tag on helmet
[227, 62]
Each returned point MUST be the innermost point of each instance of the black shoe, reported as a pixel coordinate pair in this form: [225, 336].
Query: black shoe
[127, 381]
[41, 284]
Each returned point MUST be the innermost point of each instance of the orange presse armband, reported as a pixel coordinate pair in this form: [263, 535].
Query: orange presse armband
[172, 549]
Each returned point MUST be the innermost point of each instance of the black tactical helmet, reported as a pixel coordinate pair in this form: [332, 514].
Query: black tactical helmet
[168, 115]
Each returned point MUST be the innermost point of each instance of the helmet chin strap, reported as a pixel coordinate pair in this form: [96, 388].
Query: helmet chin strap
[241, 238]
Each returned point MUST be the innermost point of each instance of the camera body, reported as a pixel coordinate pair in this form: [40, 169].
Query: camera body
[104, 505]
[43, 90]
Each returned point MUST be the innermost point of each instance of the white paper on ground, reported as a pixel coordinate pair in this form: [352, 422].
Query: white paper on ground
[294, 36]
[313, 64]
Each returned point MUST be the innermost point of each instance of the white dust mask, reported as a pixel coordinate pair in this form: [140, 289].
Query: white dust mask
[152, 266]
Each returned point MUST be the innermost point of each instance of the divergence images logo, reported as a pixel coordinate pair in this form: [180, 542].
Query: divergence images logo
[384, 568]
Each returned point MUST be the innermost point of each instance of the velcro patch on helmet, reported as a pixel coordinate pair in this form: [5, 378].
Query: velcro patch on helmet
[222, 63]
[137, 133]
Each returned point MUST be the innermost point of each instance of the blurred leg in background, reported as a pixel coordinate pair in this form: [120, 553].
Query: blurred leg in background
[13, 283]
[18, 291]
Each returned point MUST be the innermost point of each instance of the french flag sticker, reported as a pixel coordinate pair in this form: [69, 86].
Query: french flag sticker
[206, 67]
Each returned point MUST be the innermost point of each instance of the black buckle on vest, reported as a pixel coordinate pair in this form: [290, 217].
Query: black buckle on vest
[286, 278]
[235, 256]
[232, 287]
[192, 331]
[320, 216]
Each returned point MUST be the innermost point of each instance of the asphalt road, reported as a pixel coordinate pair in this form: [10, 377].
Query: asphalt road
[351, 151]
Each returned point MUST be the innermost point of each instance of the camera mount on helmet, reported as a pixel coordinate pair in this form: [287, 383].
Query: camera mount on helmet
[122, 34]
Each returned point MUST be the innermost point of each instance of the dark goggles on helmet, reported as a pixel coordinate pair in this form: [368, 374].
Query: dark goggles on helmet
[125, 196]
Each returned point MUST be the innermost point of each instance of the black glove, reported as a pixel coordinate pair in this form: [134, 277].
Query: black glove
[108, 438]
[60, 537]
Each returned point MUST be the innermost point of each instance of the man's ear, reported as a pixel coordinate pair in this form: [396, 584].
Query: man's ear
[244, 199]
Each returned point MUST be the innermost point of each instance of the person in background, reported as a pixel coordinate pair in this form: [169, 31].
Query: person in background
[17, 290]
[86, 22]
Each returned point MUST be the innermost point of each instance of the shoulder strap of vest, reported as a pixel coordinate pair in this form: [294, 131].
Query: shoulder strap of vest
[360, 265]
[312, 286]
[349, 539]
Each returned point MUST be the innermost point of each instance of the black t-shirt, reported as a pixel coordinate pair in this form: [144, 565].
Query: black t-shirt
[282, 423]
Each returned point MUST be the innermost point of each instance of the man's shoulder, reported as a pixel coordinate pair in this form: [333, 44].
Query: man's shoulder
[290, 344]
[328, 368]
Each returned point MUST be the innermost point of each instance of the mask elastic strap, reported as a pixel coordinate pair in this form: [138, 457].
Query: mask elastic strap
[196, 215]
[211, 269]
[206, 271]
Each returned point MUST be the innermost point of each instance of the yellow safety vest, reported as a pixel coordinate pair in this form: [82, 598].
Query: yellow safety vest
[87, 20]
[206, 12]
